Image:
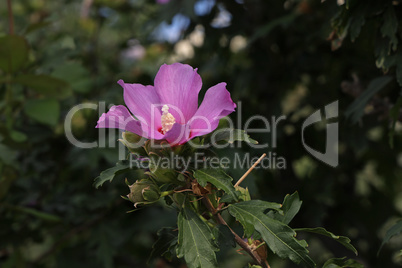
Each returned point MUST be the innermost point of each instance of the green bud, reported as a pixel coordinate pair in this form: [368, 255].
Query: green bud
[133, 142]
[163, 175]
[144, 192]
[244, 194]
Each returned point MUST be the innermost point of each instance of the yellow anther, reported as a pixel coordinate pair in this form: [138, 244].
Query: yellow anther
[167, 119]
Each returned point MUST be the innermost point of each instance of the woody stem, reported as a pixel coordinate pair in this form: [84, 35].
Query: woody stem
[238, 239]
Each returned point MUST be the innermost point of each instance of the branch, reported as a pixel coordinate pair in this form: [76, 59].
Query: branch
[262, 262]
[10, 18]
[249, 170]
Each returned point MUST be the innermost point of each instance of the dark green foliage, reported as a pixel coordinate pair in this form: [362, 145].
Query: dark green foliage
[279, 237]
[195, 242]
[51, 216]
[342, 263]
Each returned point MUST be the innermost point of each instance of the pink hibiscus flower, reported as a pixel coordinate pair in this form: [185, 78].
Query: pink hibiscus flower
[169, 109]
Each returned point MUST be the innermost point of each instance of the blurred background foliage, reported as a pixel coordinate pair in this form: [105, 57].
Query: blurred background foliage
[278, 58]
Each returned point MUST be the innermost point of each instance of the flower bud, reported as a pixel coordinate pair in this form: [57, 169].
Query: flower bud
[133, 142]
[144, 192]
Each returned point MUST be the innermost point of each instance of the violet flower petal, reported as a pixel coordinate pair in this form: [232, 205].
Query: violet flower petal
[144, 103]
[178, 86]
[179, 134]
[216, 104]
[119, 117]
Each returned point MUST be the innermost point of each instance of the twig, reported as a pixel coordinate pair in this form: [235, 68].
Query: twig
[262, 262]
[10, 18]
[249, 170]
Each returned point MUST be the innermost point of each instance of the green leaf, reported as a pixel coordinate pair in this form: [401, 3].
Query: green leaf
[356, 23]
[109, 174]
[399, 68]
[278, 236]
[103, 239]
[231, 135]
[260, 206]
[383, 59]
[390, 27]
[345, 241]
[356, 109]
[167, 239]
[7, 176]
[76, 74]
[342, 263]
[272, 24]
[394, 115]
[13, 53]
[394, 230]
[290, 207]
[196, 241]
[7, 155]
[18, 136]
[224, 236]
[218, 178]
[45, 85]
[36, 26]
[45, 111]
[39, 214]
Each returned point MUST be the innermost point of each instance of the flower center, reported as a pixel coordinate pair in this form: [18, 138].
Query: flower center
[167, 119]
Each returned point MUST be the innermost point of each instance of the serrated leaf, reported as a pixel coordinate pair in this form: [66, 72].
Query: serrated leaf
[345, 241]
[218, 178]
[109, 174]
[390, 28]
[167, 239]
[45, 111]
[394, 230]
[195, 241]
[13, 53]
[231, 135]
[356, 109]
[290, 207]
[342, 263]
[278, 236]
[261, 206]
[356, 23]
